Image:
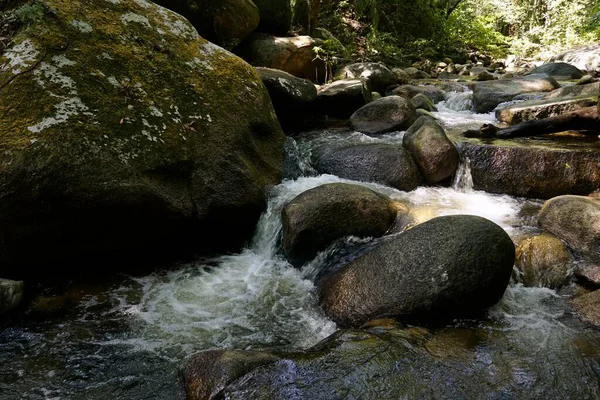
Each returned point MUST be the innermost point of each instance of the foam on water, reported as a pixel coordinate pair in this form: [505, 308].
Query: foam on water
[456, 112]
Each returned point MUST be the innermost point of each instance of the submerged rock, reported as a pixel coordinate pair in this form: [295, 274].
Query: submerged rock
[206, 374]
[539, 109]
[558, 70]
[387, 114]
[342, 98]
[434, 153]
[292, 97]
[448, 266]
[11, 294]
[378, 75]
[487, 95]
[141, 136]
[543, 260]
[574, 219]
[317, 217]
[532, 171]
[294, 55]
[388, 164]
[225, 22]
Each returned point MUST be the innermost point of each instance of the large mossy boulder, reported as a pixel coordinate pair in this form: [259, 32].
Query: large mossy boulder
[341, 99]
[292, 97]
[545, 108]
[559, 70]
[383, 163]
[386, 114]
[275, 16]
[448, 266]
[543, 260]
[224, 22]
[542, 171]
[378, 75]
[487, 95]
[319, 216]
[575, 220]
[433, 151]
[141, 135]
[294, 55]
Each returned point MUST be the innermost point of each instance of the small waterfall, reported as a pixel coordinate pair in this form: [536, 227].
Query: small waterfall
[463, 181]
[457, 101]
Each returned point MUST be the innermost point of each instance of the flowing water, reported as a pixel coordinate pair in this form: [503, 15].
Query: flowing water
[128, 340]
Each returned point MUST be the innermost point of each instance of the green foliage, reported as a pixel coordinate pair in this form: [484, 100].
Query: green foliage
[29, 13]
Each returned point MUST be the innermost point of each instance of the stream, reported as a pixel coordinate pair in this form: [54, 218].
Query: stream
[129, 339]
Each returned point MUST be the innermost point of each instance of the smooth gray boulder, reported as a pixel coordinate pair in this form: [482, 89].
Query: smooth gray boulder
[590, 89]
[342, 98]
[575, 220]
[433, 151]
[449, 266]
[559, 70]
[388, 164]
[319, 216]
[410, 91]
[387, 114]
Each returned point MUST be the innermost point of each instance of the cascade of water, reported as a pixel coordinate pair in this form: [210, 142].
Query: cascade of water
[463, 181]
[457, 101]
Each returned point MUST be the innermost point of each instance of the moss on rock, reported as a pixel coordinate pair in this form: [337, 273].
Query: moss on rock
[120, 128]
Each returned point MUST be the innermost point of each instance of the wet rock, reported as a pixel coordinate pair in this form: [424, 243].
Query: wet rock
[378, 75]
[207, 373]
[539, 109]
[559, 70]
[588, 307]
[591, 89]
[292, 97]
[449, 76]
[575, 220]
[11, 294]
[402, 77]
[415, 73]
[487, 95]
[410, 91]
[342, 98]
[543, 260]
[532, 171]
[388, 164]
[448, 266]
[294, 55]
[387, 114]
[317, 217]
[224, 22]
[423, 102]
[110, 159]
[275, 16]
[484, 76]
[433, 152]
[387, 362]
[588, 275]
